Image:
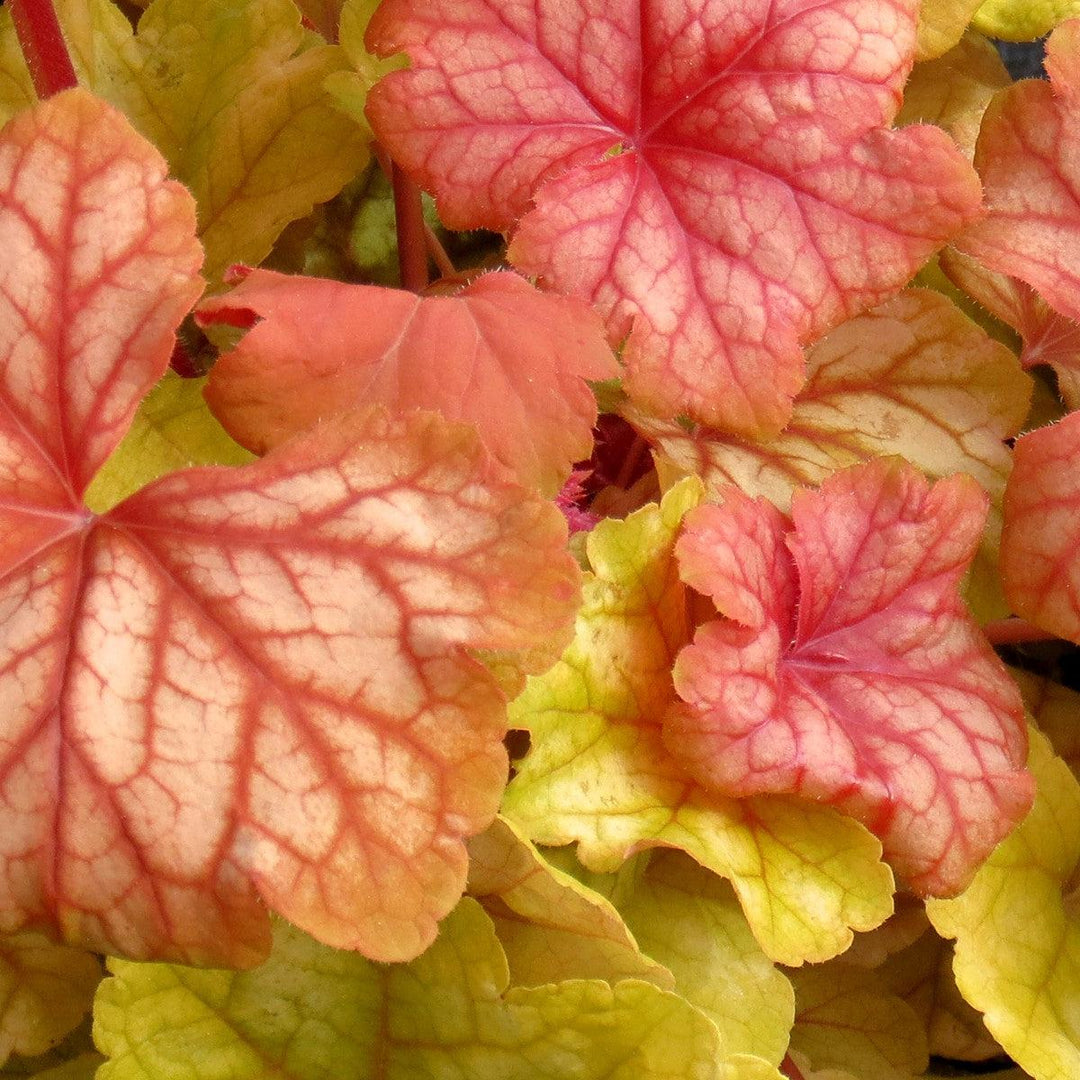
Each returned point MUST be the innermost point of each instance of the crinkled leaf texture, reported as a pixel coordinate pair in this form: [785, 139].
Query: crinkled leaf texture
[913, 377]
[717, 178]
[598, 772]
[310, 1013]
[239, 687]
[847, 670]
[1028, 156]
[1023, 20]
[1040, 558]
[1017, 929]
[499, 354]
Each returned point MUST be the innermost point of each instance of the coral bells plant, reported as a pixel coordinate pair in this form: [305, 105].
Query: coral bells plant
[538, 539]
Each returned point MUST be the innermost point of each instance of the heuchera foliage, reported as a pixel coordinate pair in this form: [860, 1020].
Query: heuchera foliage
[589, 663]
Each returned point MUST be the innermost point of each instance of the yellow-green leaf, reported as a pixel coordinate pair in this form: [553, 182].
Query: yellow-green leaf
[314, 1012]
[173, 429]
[941, 25]
[1023, 20]
[550, 925]
[1056, 710]
[598, 772]
[1017, 929]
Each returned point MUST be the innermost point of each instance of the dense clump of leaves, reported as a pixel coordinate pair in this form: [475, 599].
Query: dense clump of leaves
[582, 665]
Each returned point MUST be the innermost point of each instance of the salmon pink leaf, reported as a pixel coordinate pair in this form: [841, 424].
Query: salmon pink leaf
[718, 179]
[239, 686]
[847, 669]
[499, 354]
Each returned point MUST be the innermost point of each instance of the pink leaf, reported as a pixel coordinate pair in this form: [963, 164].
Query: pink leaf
[1040, 543]
[717, 179]
[241, 687]
[499, 354]
[847, 670]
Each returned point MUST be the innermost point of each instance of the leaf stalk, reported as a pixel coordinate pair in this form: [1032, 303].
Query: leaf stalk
[42, 43]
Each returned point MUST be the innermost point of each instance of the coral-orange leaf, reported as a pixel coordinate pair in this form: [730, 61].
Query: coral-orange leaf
[1040, 543]
[717, 178]
[500, 354]
[861, 681]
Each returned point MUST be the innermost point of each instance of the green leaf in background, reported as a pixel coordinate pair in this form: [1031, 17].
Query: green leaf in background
[1017, 928]
[315, 1013]
[1023, 20]
[598, 772]
[172, 430]
[231, 92]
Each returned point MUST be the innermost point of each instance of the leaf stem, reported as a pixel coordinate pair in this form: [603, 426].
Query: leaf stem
[42, 42]
[438, 253]
[411, 234]
[790, 1069]
[1015, 631]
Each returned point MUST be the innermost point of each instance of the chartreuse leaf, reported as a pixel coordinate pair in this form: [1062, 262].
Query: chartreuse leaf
[173, 429]
[847, 669]
[312, 1012]
[1056, 710]
[45, 990]
[690, 919]
[941, 25]
[1023, 20]
[598, 772]
[231, 92]
[954, 89]
[512, 360]
[350, 88]
[239, 687]
[914, 377]
[758, 198]
[550, 925]
[1017, 929]
[1028, 156]
[846, 1018]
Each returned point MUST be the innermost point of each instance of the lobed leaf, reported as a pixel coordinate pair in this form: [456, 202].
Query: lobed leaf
[1027, 157]
[239, 686]
[312, 1012]
[1017, 929]
[913, 377]
[550, 926]
[847, 670]
[1040, 565]
[500, 355]
[718, 180]
[598, 772]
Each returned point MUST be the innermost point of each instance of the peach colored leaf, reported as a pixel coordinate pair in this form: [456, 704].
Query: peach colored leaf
[45, 990]
[1040, 544]
[847, 669]
[499, 354]
[718, 179]
[954, 89]
[598, 773]
[1028, 156]
[913, 377]
[239, 687]
[1048, 337]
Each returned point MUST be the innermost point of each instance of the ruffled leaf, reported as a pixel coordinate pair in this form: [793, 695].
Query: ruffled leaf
[1040, 557]
[550, 926]
[720, 184]
[1017, 929]
[1023, 20]
[598, 772]
[499, 354]
[848, 671]
[448, 1013]
[913, 377]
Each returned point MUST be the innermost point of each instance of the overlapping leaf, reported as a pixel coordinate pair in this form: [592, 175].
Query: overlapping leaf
[311, 1012]
[941, 25]
[1017, 929]
[598, 772]
[847, 670]
[1023, 20]
[499, 354]
[1056, 710]
[1028, 156]
[231, 92]
[1040, 556]
[238, 687]
[913, 377]
[717, 179]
